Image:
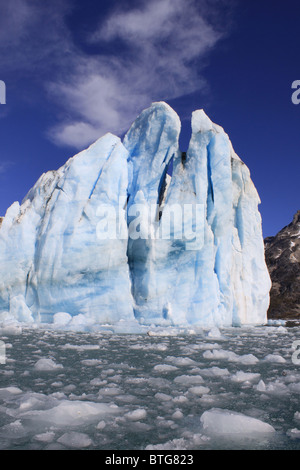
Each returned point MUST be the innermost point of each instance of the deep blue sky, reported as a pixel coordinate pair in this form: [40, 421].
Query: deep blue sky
[74, 70]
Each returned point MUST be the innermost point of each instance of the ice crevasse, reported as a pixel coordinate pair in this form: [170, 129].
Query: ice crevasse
[135, 231]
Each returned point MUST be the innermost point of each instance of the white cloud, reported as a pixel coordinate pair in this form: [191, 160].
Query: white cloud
[5, 165]
[170, 24]
[98, 99]
[156, 51]
[163, 39]
[163, 44]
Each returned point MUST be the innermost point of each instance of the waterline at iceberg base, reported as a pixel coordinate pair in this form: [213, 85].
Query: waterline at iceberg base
[57, 269]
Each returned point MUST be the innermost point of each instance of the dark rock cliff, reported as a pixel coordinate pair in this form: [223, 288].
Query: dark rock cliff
[283, 261]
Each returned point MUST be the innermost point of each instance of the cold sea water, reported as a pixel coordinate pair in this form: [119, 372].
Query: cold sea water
[167, 390]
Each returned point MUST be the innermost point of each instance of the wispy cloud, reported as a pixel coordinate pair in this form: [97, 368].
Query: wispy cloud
[156, 50]
[163, 43]
[4, 166]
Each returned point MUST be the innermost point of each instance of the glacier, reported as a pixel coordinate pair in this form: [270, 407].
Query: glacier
[134, 232]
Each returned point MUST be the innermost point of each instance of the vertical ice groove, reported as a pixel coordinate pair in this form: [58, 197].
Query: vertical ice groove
[151, 142]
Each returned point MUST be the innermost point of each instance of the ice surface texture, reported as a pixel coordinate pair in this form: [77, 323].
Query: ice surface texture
[56, 260]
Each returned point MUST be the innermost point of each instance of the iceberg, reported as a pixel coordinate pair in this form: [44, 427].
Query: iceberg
[134, 232]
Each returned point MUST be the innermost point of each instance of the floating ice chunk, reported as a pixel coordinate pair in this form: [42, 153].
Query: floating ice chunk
[47, 365]
[45, 437]
[175, 444]
[297, 415]
[81, 347]
[189, 379]
[180, 361]
[215, 372]
[11, 329]
[221, 354]
[261, 386]
[136, 415]
[241, 376]
[110, 391]
[199, 390]
[164, 332]
[9, 392]
[57, 384]
[217, 421]
[70, 413]
[77, 440]
[61, 319]
[177, 415]
[91, 362]
[180, 399]
[164, 368]
[246, 359]
[31, 400]
[98, 382]
[101, 425]
[277, 322]
[192, 349]
[214, 333]
[273, 388]
[276, 358]
[149, 347]
[294, 433]
[163, 397]
[14, 430]
[278, 388]
[282, 329]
